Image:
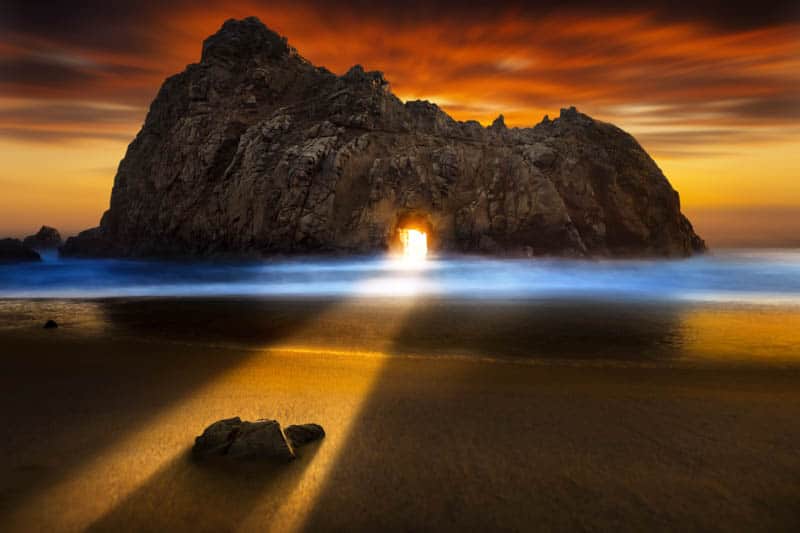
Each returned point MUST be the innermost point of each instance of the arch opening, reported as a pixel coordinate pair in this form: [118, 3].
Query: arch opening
[412, 238]
[414, 243]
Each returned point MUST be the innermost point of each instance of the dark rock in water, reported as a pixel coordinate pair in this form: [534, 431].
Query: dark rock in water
[259, 440]
[14, 251]
[302, 434]
[45, 239]
[254, 150]
[89, 243]
[50, 324]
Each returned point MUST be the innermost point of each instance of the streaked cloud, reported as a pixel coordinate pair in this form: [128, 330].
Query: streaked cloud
[706, 68]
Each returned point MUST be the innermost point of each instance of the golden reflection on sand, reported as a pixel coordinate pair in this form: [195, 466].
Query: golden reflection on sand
[293, 509]
[329, 369]
[84, 316]
[746, 333]
[257, 387]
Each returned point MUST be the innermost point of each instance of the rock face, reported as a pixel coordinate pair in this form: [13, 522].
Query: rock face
[259, 440]
[14, 251]
[256, 151]
[46, 238]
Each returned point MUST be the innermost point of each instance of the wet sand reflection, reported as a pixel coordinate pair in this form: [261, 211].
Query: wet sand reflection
[558, 413]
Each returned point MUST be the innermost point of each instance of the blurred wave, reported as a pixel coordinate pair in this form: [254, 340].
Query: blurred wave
[749, 276]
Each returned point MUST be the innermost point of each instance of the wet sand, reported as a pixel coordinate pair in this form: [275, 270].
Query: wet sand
[440, 415]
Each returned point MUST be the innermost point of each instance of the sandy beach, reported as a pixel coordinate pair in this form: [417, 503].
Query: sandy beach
[440, 415]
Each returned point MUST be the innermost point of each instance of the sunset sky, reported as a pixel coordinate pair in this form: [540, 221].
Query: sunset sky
[712, 90]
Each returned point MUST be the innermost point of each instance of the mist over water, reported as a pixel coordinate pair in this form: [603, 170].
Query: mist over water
[756, 276]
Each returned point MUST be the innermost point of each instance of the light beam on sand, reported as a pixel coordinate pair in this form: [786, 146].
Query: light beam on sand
[292, 514]
[94, 489]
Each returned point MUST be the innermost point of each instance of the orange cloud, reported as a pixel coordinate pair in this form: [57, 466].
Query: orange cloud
[475, 70]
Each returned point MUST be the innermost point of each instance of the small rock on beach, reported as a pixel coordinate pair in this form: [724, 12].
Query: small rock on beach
[259, 440]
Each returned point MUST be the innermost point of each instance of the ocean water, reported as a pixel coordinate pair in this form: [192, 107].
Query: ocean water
[737, 276]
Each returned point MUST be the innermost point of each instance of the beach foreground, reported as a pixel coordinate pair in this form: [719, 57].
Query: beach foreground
[440, 415]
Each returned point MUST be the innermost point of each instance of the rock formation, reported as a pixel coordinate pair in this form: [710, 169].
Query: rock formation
[14, 251]
[256, 151]
[259, 440]
[46, 238]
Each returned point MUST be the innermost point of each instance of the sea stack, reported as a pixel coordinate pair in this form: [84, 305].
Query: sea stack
[255, 151]
[14, 251]
[47, 238]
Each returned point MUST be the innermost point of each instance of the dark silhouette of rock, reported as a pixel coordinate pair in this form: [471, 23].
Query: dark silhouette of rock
[50, 324]
[90, 243]
[14, 251]
[259, 440]
[256, 151]
[45, 239]
[300, 435]
[216, 438]
[262, 439]
[499, 124]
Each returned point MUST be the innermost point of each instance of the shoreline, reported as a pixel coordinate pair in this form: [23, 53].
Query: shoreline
[105, 408]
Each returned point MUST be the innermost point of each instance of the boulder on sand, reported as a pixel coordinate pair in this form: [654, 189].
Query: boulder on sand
[217, 438]
[303, 434]
[262, 439]
[259, 440]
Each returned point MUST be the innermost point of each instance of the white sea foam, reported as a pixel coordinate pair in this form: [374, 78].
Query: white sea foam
[744, 276]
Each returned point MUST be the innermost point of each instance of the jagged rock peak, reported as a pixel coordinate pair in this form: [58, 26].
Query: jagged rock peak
[499, 123]
[422, 105]
[568, 113]
[240, 40]
[46, 237]
[571, 114]
[359, 75]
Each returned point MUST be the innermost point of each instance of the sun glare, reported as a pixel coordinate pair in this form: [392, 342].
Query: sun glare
[415, 244]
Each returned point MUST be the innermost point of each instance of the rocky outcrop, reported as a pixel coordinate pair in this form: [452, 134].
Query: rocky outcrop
[256, 151]
[46, 238]
[14, 251]
[259, 440]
